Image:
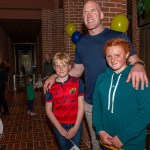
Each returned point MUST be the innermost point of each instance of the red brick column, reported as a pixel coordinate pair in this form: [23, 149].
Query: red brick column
[72, 14]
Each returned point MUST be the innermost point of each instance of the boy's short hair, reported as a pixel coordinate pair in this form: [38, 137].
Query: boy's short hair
[62, 56]
[118, 42]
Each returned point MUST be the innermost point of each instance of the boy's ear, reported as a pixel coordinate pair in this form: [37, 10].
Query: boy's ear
[127, 55]
[69, 67]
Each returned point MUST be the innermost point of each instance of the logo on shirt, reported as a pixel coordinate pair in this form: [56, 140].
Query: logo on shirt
[72, 91]
[56, 94]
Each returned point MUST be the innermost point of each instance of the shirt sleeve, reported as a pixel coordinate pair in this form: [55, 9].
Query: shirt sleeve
[81, 88]
[48, 97]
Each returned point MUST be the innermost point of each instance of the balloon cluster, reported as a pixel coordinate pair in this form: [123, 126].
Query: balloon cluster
[75, 35]
[120, 23]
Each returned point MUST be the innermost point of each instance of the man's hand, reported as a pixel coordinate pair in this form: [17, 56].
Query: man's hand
[49, 82]
[137, 75]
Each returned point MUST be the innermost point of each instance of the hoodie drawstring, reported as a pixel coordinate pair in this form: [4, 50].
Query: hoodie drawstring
[110, 91]
[114, 92]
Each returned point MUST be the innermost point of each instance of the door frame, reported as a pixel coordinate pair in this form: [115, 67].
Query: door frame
[22, 47]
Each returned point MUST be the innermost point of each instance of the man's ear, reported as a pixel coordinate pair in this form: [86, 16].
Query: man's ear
[102, 15]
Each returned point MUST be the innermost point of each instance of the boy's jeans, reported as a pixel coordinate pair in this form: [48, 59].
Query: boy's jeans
[66, 144]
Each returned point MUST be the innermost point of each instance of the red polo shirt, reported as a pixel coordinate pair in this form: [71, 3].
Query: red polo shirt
[65, 99]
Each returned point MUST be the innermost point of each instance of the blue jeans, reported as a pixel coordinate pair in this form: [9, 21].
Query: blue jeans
[64, 143]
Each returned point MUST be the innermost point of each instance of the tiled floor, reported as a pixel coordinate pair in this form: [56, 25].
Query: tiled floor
[24, 132]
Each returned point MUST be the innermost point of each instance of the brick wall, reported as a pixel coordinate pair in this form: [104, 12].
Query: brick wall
[72, 14]
[46, 30]
[135, 29]
[52, 30]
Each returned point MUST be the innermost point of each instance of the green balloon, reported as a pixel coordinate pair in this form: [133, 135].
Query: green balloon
[120, 23]
[70, 29]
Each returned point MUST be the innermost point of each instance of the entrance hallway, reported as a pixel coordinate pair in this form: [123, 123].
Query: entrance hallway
[24, 132]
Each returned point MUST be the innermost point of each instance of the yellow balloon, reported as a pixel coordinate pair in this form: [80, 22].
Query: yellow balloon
[70, 29]
[120, 23]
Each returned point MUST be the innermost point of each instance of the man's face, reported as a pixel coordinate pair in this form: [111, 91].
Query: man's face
[92, 15]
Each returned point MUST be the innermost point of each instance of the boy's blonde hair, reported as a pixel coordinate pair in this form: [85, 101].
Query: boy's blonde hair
[117, 42]
[62, 56]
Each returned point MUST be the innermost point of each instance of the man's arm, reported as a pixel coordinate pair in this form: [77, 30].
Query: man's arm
[137, 73]
[77, 70]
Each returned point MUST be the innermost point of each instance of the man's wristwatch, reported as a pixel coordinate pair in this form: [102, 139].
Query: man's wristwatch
[140, 63]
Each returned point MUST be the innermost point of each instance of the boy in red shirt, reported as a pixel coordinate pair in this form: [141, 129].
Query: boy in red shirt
[65, 104]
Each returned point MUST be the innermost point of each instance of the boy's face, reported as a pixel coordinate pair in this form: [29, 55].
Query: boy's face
[116, 58]
[61, 68]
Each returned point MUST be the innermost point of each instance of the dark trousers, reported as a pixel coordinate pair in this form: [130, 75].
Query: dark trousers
[3, 102]
[30, 105]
